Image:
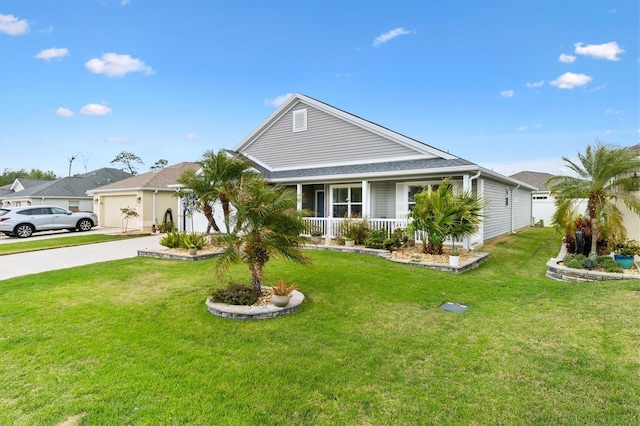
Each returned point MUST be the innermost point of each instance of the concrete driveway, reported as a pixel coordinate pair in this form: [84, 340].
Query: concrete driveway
[15, 265]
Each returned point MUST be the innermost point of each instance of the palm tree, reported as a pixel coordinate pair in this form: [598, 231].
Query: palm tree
[440, 213]
[606, 174]
[221, 174]
[267, 224]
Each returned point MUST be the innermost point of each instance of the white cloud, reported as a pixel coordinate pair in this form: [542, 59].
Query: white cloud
[11, 25]
[53, 53]
[383, 38]
[276, 102]
[115, 139]
[609, 132]
[608, 51]
[535, 84]
[64, 112]
[602, 86]
[95, 109]
[567, 59]
[190, 135]
[569, 80]
[612, 111]
[521, 128]
[116, 65]
[507, 94]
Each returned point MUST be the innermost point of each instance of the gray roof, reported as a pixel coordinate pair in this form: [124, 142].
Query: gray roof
[72, 186]
[155, 179]
[537, 179]
[364, 169]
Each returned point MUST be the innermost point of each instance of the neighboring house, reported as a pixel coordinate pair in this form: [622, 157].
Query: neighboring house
[68, 192]
[151, 194]
[341, 164]
[543, 204]
[631, 219]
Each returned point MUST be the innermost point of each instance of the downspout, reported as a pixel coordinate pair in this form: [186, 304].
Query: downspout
[471, 179]
[513, 210]
[153, 210]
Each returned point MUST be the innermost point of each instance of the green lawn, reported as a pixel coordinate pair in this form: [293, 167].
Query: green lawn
[66, 241]
[131, 342]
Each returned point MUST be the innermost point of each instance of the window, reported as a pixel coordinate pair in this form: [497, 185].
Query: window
[416, 188]
[346, 201]
[506, 196]
[300, 120]
[74, 206]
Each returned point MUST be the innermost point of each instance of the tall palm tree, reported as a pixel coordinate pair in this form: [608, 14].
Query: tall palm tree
[606, 174]
[220, 176]
[267, 224]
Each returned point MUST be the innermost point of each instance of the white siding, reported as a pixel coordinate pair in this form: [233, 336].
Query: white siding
[497, 220]
[522, 208]
[383, 198]
[327, 140]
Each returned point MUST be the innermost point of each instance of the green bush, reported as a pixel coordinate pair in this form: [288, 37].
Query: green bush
[171, 240]
[356, 229]
[376, 239]
[579, 261]
[234, 294]
[193, 240]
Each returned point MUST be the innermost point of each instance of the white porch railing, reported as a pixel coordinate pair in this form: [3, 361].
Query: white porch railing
[331, 228]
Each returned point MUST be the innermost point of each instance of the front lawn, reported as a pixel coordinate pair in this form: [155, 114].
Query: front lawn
[131, 342]
[66, 241]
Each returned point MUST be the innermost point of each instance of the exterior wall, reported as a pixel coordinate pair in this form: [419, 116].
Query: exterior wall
[497, 220]
[383, 196]
[327, 140]
[522, 208]
[85, 205]
[109, 213]
[631, 222]
[543, 208]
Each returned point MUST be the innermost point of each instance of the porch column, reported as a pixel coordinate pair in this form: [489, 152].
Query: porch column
[366, 202]
[299, 192]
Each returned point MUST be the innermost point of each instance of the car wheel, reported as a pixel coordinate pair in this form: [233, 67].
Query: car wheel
[24, 230]
[85, 225]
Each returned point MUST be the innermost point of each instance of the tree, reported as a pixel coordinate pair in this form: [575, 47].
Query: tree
[128, 161]
[606, 174]
[267, 224]
[8, 175]
[160, 164]
[440, 213]
[221, 175]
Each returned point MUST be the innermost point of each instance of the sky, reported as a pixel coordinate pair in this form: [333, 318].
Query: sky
[510, 85]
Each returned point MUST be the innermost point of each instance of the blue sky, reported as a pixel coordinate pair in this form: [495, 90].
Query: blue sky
[511, 85]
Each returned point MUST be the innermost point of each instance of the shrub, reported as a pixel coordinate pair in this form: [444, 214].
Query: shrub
[579, 261]
[171, 240]
[282, 289]
[193, 240]
[376, 239]
[235, 294]
[608, 264]
[355, 229]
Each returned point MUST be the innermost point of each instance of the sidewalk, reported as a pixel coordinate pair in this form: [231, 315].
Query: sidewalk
[15, 265]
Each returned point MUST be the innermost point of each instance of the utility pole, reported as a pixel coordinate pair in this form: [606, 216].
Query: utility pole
[73, 157]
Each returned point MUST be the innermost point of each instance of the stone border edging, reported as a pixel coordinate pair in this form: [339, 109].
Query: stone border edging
[243, 312]
[464, 266]
[562, 273]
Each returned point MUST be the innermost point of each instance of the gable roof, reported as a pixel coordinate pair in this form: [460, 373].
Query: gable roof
[71, 186]
[411, 148]
[20, 184]
[537, 179]
[155, 179]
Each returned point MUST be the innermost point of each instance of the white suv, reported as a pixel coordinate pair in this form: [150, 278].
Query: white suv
[24, 221]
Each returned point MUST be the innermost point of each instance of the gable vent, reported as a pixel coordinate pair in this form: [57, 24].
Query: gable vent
[300, 120]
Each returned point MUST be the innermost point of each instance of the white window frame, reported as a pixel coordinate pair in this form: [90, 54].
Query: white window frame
[302, 115]
[349, 203]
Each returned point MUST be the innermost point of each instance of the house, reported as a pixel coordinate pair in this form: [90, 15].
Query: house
[68, 192]
[543, 204]
[341, 164]
[150, 194]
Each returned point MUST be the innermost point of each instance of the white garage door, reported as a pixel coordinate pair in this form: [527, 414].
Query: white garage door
[112, 215]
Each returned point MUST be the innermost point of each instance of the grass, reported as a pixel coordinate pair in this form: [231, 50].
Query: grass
[131, 342]
[77, 240]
